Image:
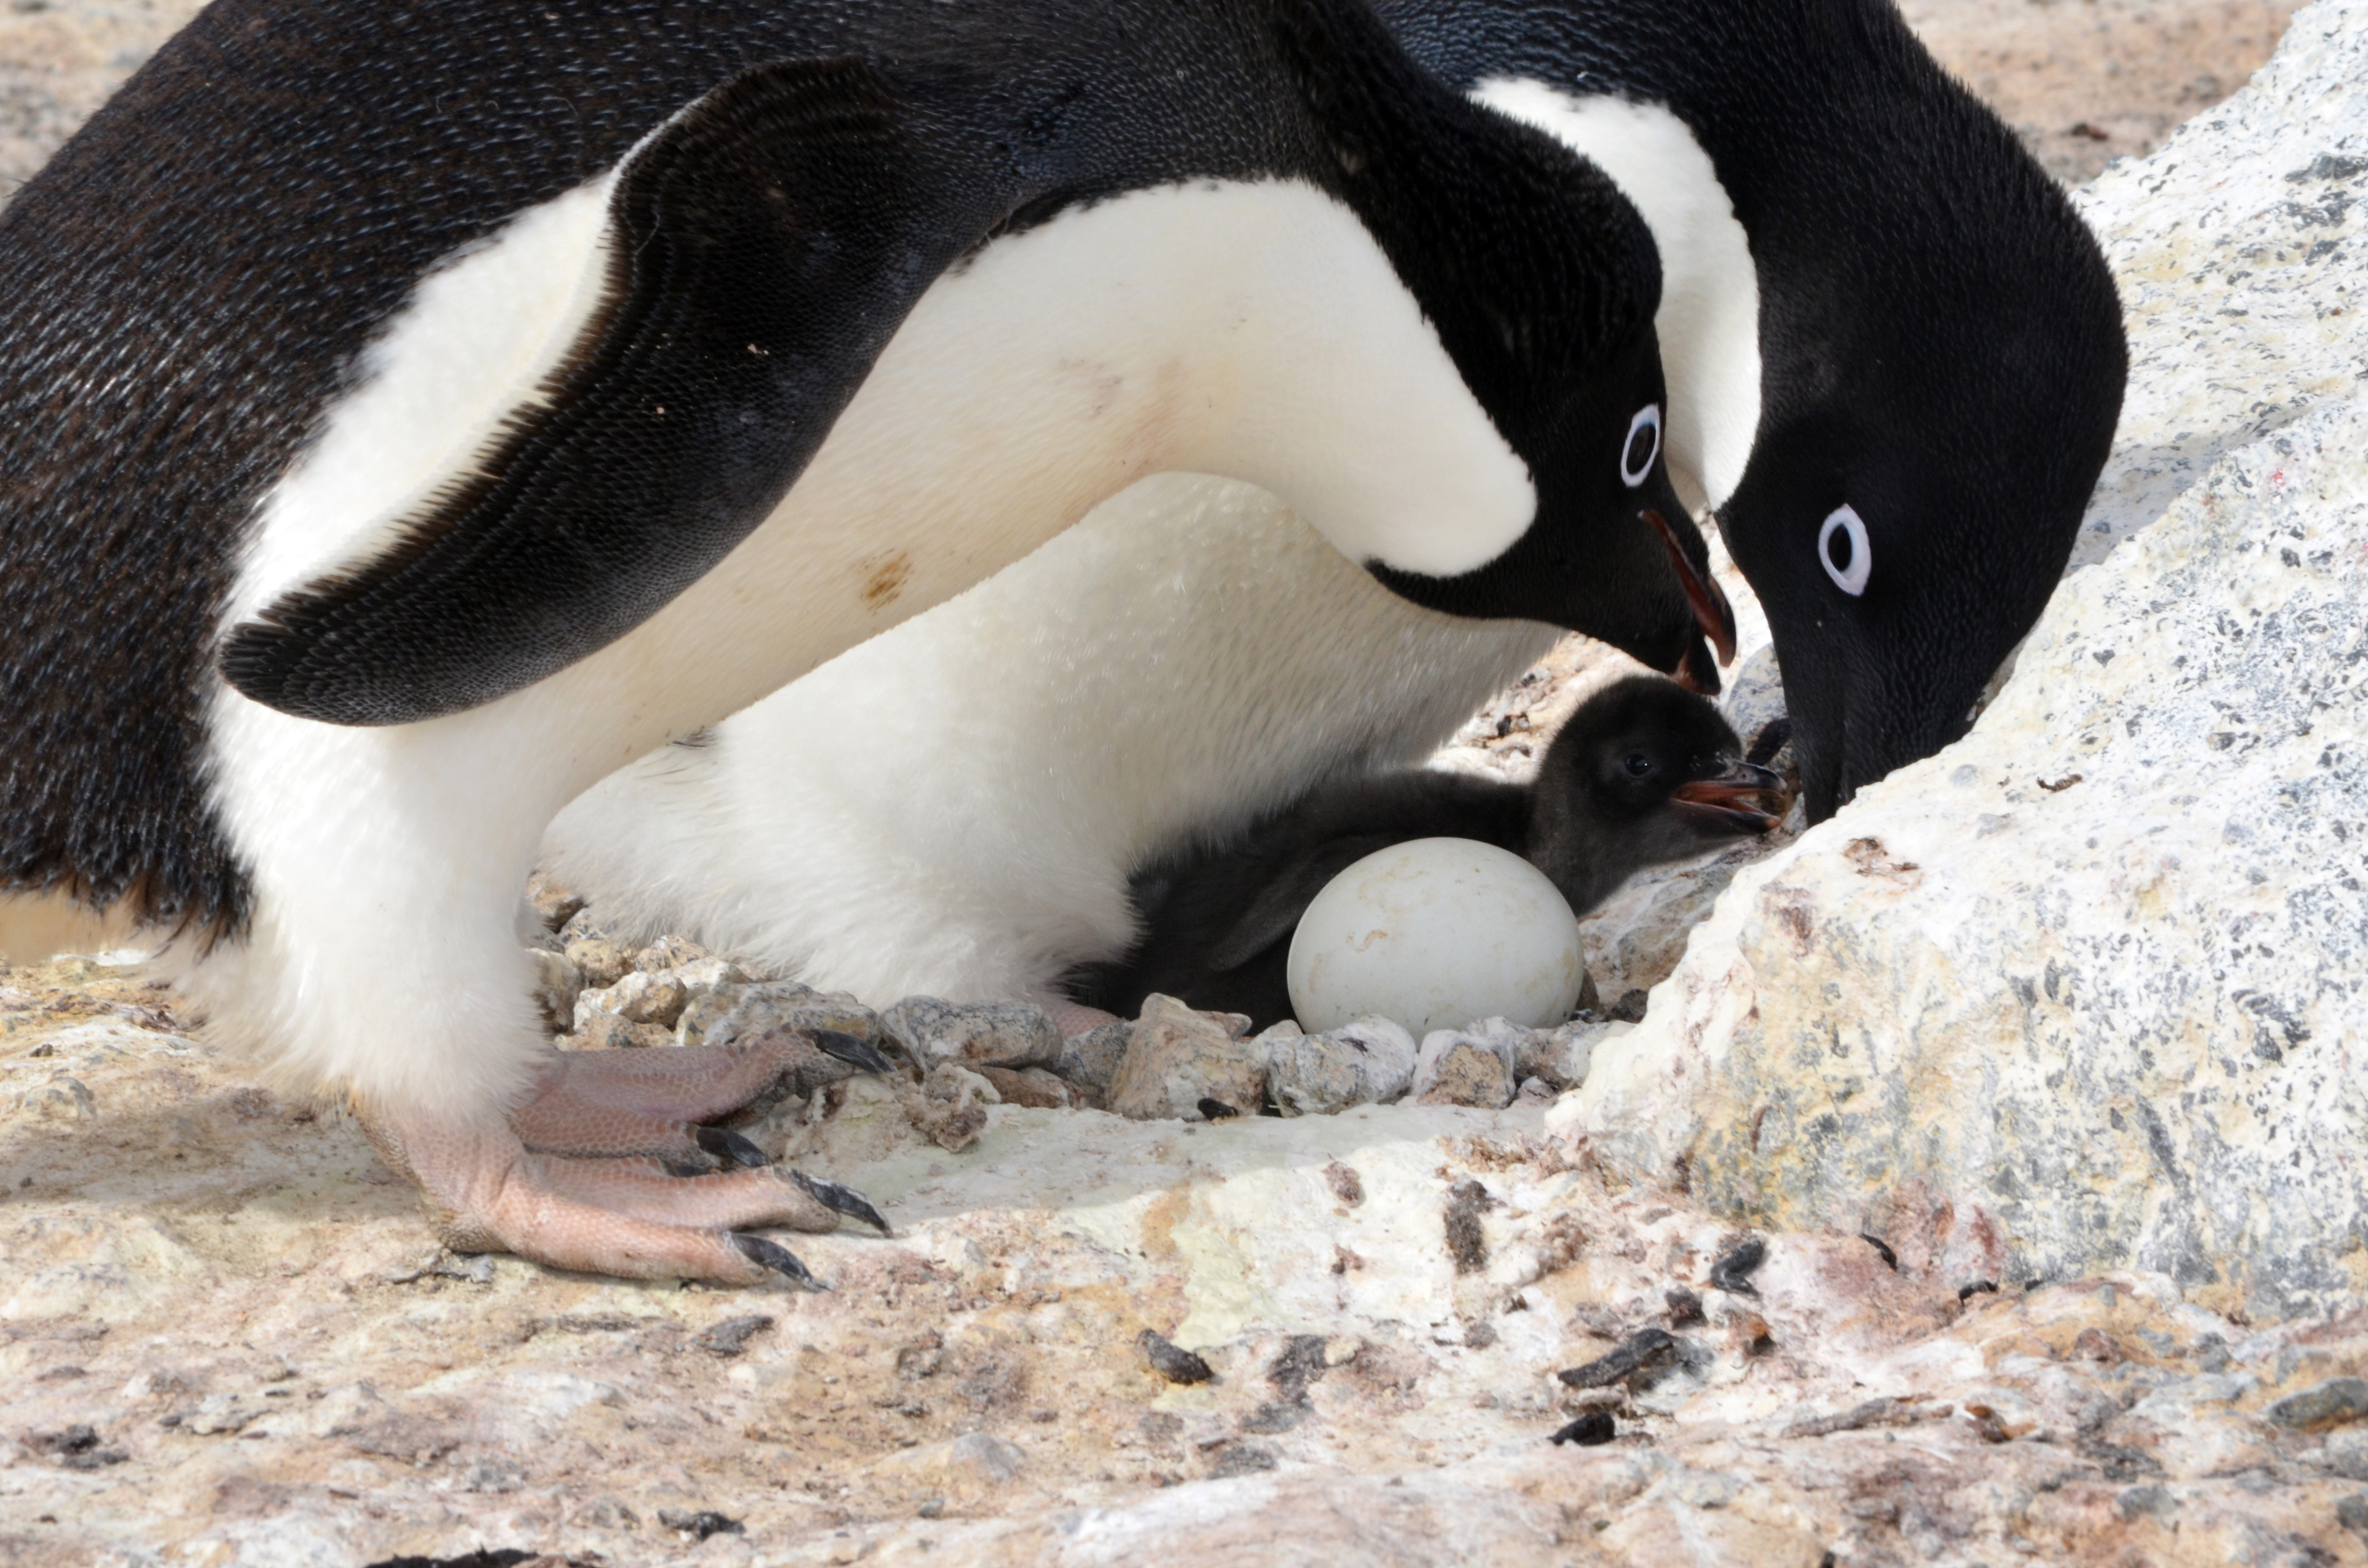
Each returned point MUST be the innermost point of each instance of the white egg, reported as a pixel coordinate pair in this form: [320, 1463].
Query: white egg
[1434, 933]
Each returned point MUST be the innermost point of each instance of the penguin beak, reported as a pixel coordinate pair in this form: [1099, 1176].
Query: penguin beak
[1711, 613]
[1735, 799]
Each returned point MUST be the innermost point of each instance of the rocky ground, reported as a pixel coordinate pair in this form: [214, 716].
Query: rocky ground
[1767, 1325]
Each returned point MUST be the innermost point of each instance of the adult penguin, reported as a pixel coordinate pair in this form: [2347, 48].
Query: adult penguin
[1895, 361]
[409, 415]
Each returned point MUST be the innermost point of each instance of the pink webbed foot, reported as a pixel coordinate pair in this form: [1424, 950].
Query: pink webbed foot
[608, 1167]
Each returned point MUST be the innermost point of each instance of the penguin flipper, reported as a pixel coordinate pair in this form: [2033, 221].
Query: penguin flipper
[1273, 913]
[768, 241]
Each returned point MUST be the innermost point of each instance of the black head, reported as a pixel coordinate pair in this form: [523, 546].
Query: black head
[1645, 773]
[1942, 371]
[1542, 282]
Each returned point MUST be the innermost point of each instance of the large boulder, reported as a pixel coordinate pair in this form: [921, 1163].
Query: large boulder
[2083, 990]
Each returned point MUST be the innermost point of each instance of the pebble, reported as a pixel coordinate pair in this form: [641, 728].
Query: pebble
[730, 1014]
[1458, 1068]
[2333, 1403]
[976, 1034]
[609, 1031]
[1090, 1060]
[1172, 1361]
[1178, 1057]
[599, 961]
[638, 998]
[1366, 1061]
[1032, 1087]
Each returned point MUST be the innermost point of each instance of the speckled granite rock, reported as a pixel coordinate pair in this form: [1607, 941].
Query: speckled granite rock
[2089, 982]
[225, 1339]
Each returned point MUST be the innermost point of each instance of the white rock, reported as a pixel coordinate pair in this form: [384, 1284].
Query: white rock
[1433, 932]
[1364, 1062]
[2092, 976]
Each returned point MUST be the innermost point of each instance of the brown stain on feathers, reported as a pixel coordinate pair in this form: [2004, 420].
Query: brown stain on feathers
[884, 577]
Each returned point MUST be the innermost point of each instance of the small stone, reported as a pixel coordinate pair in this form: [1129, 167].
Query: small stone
[609, 1032]
[976, 1034]
[1733, 1269]
[1561, 1057]
[1640, 1352]
[1364, 1062]
[557, 984]
[699, 1523]
[1685, 1307]
[2352, 1512]
[670, 952]
[1346, 1184]
[1172, 1361]
[600, 961]
[753, 1013]
[2335, 1402]
[731, 1336]
[1090, 1060]
[1030, 1086]
[1589, 1431]
[1178, 1058]
[1464, 1074]
[638, 998]
[2154, 1502]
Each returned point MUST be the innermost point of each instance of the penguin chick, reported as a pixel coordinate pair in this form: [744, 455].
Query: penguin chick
[1643, 774]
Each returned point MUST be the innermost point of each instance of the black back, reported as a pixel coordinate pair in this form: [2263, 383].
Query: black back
[1217, 921]
[1940, 338]
[186, 288]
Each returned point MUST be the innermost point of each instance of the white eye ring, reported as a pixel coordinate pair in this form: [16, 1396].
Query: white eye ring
[1647, 418]
[1858, 554]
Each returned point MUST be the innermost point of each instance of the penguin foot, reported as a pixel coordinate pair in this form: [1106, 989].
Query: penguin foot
[609, 1167]
[632, 1218]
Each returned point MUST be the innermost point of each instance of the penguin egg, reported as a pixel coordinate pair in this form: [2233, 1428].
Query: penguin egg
[1434, 933]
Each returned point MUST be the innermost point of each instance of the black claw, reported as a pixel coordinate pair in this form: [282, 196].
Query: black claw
[779, 1258]
[841, 1199]
[853, 1047]
[735, 1152]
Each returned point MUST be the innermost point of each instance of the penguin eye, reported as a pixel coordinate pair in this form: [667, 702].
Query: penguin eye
[1644, 446]
[1638, 764]
[1844, 552]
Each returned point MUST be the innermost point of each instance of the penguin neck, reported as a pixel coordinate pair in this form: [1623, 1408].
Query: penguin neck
[1254, 330]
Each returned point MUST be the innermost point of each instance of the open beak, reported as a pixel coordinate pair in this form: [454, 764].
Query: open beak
[1711, 613]
[1745, 798]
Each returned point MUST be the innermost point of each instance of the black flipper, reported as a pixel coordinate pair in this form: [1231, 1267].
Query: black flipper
[768, 242]
[1274, 912]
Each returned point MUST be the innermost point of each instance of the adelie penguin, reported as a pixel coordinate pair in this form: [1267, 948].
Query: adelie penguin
[1895, 360]
[410, 415]
[1644, 773]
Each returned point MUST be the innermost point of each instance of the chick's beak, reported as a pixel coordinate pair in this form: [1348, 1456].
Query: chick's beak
[1743, 797]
